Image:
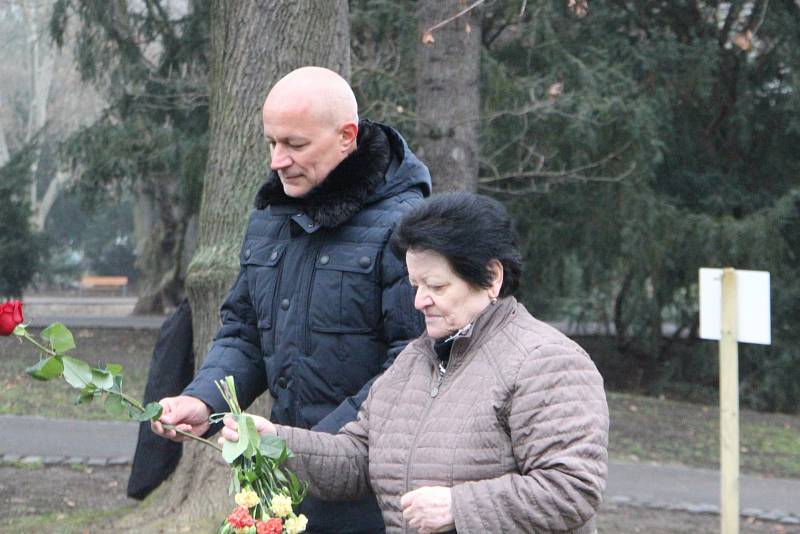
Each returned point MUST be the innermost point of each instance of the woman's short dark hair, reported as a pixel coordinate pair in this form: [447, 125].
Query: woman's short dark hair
[469, 230]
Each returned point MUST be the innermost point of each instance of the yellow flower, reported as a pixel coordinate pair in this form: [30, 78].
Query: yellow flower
[294, 525]
[247, 498]
[281, 505]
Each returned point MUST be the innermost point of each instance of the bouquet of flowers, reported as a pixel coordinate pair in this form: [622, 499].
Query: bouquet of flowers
[266, 493]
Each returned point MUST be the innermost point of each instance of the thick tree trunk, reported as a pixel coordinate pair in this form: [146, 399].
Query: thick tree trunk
[448, 100]
[253, 45]
[161, 256]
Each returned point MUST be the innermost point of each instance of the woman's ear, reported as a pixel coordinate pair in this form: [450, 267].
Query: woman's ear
[496, 268]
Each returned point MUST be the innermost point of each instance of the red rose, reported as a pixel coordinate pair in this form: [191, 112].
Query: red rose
[10, 317]
[270, 526]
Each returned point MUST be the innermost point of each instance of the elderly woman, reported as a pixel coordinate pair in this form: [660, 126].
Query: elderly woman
[492, 421]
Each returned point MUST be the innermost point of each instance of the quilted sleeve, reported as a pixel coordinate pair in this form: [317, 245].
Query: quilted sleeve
[334, 465]
[558, 424]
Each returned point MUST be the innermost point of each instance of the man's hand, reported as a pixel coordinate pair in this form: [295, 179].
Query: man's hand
[429, 509]
[188, 414]
[230, 431]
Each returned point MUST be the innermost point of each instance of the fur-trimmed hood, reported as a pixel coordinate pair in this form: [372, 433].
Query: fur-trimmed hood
[381, 166]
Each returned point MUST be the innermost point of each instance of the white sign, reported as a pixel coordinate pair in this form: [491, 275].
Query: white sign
[752, 306]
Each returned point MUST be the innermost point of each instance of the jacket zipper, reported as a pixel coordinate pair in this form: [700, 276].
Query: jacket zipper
[441, 371]
[307, 333]
[439, 379]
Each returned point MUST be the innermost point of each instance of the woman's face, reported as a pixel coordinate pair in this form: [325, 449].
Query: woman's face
[448, 302]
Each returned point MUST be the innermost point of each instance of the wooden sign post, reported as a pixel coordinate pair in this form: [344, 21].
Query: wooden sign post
[734, 307]
[729, 406]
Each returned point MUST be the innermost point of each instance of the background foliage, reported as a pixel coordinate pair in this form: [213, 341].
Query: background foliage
[633, 145]
[19, 246]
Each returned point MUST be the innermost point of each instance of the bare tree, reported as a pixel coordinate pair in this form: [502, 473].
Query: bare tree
[47, 95]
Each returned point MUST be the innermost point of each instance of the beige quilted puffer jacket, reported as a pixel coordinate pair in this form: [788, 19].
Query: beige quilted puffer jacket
[517, 427]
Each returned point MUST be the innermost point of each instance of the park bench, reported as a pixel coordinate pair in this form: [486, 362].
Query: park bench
[104, 283]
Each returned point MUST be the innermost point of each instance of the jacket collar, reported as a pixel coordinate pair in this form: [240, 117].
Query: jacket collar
[346, 189]
[484, 326]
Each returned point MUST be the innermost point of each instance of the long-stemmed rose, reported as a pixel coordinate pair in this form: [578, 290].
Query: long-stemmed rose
[91, 382]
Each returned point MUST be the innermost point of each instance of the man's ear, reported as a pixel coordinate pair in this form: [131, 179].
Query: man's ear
[348, 132]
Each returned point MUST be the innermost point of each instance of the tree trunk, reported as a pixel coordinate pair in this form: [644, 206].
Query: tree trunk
[161, 254]
[4, 155]
[54, 189]
[253, 45]
[448, 100]
[41, 76]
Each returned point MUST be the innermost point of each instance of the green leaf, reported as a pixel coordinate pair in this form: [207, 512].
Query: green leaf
[19, 330]
[102, 379]
[272, 446]
[117, 388]
[253, 438]
[236, 486]
[231, 450]
[76, 372]
[114, 368]
[87, 394]
[114, 405]
[46, 369]
[59, 337]
[152, 411]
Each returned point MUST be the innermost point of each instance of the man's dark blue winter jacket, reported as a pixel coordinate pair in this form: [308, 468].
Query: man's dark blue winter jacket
[321, 306]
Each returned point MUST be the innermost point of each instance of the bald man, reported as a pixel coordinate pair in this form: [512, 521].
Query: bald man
[321, 306]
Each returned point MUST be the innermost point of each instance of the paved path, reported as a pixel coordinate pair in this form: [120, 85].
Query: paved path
[138, 322]
[33, 439]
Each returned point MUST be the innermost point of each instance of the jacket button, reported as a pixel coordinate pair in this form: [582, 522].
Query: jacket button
[364, 262]
[285, 304]
[325, 259]
[273, 255]
[282, 382]
[247, 253]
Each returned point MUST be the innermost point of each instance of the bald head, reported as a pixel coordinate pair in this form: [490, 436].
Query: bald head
[315, 90]
[311, 124]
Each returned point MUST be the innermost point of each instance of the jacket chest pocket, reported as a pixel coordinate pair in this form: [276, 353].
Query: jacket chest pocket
[263, 262]
[345, 297]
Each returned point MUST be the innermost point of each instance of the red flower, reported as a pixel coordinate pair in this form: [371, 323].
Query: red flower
[270, 526]
[10, 316]
[240, 518]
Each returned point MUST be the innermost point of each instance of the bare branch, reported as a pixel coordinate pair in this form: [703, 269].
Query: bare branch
[454, 17]
[576, 174]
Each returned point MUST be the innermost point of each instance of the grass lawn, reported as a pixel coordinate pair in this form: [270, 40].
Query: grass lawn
[646, 429]
[22, 395]
[643, 429]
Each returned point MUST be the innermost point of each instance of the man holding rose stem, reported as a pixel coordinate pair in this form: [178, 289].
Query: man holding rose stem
[320, 307]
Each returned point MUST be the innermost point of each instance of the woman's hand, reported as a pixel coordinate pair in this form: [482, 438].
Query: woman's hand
[230, 431]
[429, 509]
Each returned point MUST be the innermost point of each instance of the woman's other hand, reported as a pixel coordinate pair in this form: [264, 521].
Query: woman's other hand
[230, 431]
[429, 509]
